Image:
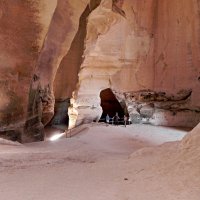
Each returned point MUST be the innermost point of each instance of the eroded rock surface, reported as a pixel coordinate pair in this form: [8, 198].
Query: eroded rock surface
[105, 28]
[152, 58]
[63, 27]
[161, 108]
[23, 26]
[51, 48]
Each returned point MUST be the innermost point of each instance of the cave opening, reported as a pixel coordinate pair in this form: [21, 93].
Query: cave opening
[111, 105]
[61, 113]
[59, 122]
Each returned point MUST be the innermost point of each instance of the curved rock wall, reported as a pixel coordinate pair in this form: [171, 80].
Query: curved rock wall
[104, 55]
[147, 46]
[67, 74]
[62, 29]
[161, 52]
[139, 47]
[22, 31]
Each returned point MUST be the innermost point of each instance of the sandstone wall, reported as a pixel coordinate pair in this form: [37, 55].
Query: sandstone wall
[164, 47]
[63, 28]
[177, 49]
[23, 26]
[153, 52]
[177, 64]
[161, 53]
[104, 55]
[41, 37]
[139, 47]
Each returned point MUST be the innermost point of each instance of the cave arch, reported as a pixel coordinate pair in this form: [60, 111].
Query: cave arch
[110, 105]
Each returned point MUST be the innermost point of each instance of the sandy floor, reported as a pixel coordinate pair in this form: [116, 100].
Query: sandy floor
[100, 163]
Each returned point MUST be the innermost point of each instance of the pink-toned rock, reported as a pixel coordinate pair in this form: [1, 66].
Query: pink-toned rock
[158, 52]
[23, 29]
[105, 28]
[49, 50]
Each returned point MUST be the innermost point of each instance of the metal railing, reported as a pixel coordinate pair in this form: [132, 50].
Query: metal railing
[112, 121]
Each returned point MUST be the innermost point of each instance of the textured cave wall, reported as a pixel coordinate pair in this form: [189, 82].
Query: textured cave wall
[23, 26]
[177, 49]
[173, 97]
[36, 35]
[160, 83]
[139, 47]
[67, 74]
[63, 27]
[150, 60]
[177, 64]
[173, 66]
[104, 55]
[166, 51]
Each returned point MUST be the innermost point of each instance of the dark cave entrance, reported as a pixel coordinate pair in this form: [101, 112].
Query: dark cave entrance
[111, 105]
[61, 113]
[60, 120]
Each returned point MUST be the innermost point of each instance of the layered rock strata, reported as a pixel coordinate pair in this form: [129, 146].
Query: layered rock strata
[105, 29]
[138, 47]
[115, 43]
[160, 56]
[161, 108]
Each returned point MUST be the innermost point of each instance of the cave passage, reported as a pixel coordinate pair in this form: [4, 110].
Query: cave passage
[110, 105]
[61, 113]
[60, 120]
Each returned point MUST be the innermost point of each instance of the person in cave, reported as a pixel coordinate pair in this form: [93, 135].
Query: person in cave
[116, 119]
[125, 120]
[107, 119]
